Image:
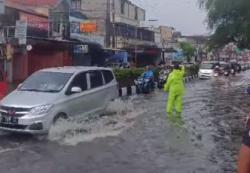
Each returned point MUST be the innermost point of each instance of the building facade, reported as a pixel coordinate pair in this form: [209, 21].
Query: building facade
[37, 51]
[42, 47]
[118, 23]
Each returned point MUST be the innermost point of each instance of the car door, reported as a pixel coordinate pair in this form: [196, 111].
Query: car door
[77, 103]
[96, 93]
[110, 87]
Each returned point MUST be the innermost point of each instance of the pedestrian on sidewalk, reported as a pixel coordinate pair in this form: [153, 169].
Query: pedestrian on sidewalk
[175, 89]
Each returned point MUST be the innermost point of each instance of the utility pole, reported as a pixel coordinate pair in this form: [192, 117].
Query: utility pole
[136, 35]
[113, 25]
[108, 25]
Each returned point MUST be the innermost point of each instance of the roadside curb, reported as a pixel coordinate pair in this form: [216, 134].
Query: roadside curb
[131, 90]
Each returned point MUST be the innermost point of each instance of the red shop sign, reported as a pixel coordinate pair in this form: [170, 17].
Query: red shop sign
[35, 21]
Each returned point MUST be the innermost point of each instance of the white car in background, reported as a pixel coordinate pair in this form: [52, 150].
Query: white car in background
[206, 70]
[55, 93]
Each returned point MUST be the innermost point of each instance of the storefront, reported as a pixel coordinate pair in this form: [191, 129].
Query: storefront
[144, 55]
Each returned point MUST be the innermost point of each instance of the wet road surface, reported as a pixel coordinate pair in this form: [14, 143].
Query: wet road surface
[136, 137]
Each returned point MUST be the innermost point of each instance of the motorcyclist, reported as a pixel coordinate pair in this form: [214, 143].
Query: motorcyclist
[149, 74]
[234, 68]
[164, 70]
[239, 69]
[227, 68]
[217, 68]
[175, 88]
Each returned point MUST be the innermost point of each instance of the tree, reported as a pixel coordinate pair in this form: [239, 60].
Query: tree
[229, 20]
[188, 50]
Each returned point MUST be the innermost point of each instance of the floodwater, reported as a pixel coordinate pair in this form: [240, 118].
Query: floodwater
[133, 136]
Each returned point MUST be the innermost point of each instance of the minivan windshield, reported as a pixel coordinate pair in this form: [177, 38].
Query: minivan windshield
[206, 66]
[46, 82]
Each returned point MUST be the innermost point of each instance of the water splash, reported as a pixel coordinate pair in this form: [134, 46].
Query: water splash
[119, 116]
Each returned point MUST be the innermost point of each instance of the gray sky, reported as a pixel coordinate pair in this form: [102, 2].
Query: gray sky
[184, 15]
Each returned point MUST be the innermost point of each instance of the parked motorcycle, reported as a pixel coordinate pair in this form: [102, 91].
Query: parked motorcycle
[163, 76]
[144, 86]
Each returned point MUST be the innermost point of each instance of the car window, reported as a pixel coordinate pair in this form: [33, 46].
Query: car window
[80, 81]
[46, 82]
[206, 66]
[108, 76]
[95, 79]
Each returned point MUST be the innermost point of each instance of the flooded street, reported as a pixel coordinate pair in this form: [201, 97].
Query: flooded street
[135, 137]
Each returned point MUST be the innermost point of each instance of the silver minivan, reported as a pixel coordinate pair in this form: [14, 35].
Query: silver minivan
[55, 93]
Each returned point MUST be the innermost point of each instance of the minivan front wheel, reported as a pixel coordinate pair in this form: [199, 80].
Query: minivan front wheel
[58, 117]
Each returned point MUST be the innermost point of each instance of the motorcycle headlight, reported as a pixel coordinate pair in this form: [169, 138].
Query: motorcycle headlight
[39, 110]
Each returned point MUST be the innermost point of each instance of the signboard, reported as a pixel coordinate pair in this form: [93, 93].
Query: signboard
[75, 24]
[22, 41]
[21, 31]
[81, 49]
[74, 27]
[2, 6]
[178, 56]
[88, 26]
[88, 38]
[33, 21]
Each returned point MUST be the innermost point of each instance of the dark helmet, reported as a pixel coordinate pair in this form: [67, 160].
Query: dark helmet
[176, 65]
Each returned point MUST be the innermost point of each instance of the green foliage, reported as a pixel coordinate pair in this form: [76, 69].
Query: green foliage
[230, 21]
[192, 70]
[133, 73]
[126, 77]
[188, 50]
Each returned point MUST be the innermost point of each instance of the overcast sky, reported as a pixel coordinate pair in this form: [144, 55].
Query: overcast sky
[184, 15]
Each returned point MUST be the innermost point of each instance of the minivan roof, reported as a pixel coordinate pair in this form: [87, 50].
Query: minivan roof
[73, 69]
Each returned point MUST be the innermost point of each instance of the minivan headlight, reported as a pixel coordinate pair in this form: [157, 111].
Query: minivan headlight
[39, 110]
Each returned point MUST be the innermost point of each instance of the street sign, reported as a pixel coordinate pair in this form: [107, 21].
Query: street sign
[22, 41]
[21, 31]
[2, 6]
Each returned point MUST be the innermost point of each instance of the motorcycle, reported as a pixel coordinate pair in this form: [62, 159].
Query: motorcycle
[216, 74]
[144, 86]
[216, 71]
[233, 72]
[162, 78]
[226, 73]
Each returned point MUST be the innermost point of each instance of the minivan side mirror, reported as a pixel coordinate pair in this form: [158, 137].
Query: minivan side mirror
[75, 90]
